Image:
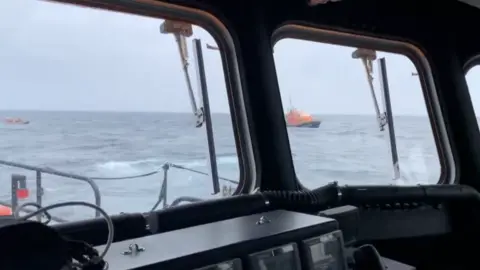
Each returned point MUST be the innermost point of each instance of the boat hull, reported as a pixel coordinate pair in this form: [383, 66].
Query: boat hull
[310, 124]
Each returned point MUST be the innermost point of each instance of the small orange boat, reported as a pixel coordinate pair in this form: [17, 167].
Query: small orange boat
[16, 121]
[5, 210]
[297, 118]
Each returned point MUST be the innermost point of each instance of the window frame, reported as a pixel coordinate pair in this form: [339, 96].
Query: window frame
[471, 63]
[248, 173]
[448, 174]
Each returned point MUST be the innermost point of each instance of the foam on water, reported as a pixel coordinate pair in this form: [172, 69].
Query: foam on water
[127, 168]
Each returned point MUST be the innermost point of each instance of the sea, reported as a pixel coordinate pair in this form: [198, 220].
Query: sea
[348, 149]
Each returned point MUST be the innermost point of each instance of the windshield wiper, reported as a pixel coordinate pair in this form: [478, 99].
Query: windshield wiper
[182, 30]
[386, 118]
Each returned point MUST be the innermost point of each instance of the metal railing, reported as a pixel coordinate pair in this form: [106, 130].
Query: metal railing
[39, 188]
[18, 183]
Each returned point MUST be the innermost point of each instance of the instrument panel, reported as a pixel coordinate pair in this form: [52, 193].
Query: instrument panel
[279, 258]
[325, 252]
[276, 240]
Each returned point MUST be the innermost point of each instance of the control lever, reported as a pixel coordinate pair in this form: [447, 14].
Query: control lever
[367, 258]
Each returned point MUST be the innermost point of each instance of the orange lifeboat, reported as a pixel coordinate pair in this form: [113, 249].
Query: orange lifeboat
[16, 121]
[5, 210]
[297, 118]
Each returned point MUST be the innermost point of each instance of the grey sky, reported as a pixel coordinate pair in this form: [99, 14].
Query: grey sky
[57, 57]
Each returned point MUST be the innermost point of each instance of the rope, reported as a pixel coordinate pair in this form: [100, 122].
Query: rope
[53, 171]
[126, 177]
[203, 173]
[160, 170]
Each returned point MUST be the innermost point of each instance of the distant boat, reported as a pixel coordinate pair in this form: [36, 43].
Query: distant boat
[16, 121]
[297, 118]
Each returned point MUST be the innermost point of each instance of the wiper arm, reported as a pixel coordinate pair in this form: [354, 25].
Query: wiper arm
[182, 30]
[386, 118]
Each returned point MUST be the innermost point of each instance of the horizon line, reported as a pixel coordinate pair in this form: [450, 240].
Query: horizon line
[185, 112]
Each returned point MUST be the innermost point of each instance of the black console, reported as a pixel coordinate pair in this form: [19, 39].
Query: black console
[277, 240]
[271, 240]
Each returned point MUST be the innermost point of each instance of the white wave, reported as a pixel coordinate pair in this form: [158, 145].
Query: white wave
[125, 168]
[117, 168]
[414, 169]
[222, 160]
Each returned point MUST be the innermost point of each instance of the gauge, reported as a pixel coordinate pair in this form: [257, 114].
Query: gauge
[234, 264]
[279, 258]
[326, 252]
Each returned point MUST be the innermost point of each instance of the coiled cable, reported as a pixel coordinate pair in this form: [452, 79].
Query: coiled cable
[17, 211]
[43, 210]
[314, 200]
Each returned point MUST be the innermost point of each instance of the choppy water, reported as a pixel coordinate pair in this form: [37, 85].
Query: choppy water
[348, 149]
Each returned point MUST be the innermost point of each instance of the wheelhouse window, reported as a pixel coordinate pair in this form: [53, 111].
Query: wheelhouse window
[473, 82]
[98, 99]
[348, 123]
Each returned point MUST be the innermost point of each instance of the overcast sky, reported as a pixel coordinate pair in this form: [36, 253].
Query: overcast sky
[59, 57]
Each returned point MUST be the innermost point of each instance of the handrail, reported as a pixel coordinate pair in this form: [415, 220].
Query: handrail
[162, 197]
[39, 170]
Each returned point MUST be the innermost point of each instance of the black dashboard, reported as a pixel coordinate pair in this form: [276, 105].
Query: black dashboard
[274, 240]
